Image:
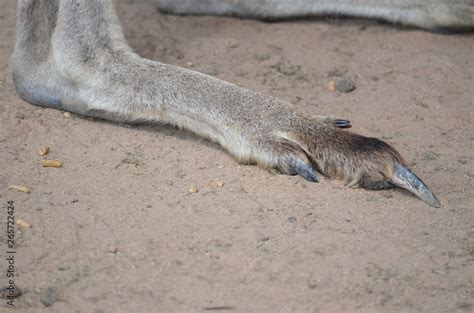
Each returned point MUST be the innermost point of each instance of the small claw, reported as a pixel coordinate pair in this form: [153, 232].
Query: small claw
[340, 123]
[406, 179]
[305, 170]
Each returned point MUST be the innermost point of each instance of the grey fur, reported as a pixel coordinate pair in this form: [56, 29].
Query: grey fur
[72, 55]
[427, 14]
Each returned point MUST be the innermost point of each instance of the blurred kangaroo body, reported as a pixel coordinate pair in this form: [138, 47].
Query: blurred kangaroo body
[427, 14]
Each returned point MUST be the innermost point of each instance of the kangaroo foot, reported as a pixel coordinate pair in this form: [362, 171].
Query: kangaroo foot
[83, 64]
[309, 146]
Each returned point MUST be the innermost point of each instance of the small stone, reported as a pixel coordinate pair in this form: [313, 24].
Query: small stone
[22, 223]
[345, 85]
[291, 219]
[20, 188]
[43, 151]
[67, 115]
[332, 86]
[48, 297]
[219, 183]
[51, 163]
[193, 189]
[114, 249]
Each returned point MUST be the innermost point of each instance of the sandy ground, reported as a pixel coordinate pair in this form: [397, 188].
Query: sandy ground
[116, 229]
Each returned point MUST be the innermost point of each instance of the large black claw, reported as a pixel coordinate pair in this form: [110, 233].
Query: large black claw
[340, 123]
[406, 179]
[305, 170]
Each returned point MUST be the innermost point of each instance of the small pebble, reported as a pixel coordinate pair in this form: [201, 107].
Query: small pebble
[43, 151]
[291, 219]
[67, 115]
[22, 223]
[332, 86]
[219, 183]
[48, 297]
[51, 163]
[20, 188]
[345, 85]
[193, 189]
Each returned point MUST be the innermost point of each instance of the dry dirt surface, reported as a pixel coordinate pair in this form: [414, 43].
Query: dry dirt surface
[116, 228]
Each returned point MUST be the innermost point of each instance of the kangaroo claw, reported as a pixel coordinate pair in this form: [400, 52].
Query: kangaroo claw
[340, 123]
[305, 170]
[406, 179]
